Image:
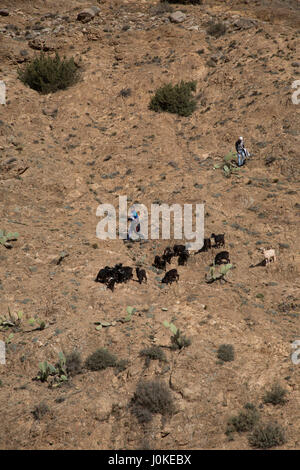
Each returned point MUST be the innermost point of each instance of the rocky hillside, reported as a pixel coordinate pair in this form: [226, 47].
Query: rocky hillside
[63, 154]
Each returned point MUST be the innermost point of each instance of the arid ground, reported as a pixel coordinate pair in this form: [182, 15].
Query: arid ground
[63, 154]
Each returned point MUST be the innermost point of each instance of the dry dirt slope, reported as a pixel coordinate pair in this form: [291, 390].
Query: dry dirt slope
[77, 148]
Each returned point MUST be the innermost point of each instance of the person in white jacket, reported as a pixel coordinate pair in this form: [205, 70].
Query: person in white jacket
[134, 228]
[242, 152]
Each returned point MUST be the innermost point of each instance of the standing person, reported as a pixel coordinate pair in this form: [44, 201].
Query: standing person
[134, 228]
[241, 151]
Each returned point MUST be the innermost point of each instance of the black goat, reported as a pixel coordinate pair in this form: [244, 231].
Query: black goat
[206, 245]
[123, 273]
[111, 276]
[168, 254]
[222, 257]
[104, 274]
[219, 239]
[111, 283]
[159, 262]
[170, 276]
[141, 275]
[183, 258]
[177, 249]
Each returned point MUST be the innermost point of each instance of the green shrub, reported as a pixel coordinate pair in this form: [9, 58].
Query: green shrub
[216, 29]
[265, 436]
[6, 237]
[276, 395]
[45, 370]
[179, 341]
[260, 296]
[100, 359]
[226, 352]
[154, 353]
[150, 398]
[176, 99]
[244, 421]
[47, 74]
[73, 363]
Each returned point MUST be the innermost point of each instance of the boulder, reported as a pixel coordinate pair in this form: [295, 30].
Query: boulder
[88, 14]
[177, 17]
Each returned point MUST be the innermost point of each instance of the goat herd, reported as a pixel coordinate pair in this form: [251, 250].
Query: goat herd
[119, 273]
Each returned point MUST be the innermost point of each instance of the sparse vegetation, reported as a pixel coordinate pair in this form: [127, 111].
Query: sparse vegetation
[41, 323]
[47, 74]
[178, 341]
[58, 372]
[229, 165]
[265, 436]
[216, 29]
[73, 363]
[11, 320]
[218, 275]
[275, 396]
[121, 365]
[100, 359]
[244, 421]
[40, 410]
[130, 311]
[230, 169]
[154, 353]
[151, 398]
[7, 237]
[226, 352]
[45, 371]
[260, 296]
[125, 92]
[176, 99]
[161, 8]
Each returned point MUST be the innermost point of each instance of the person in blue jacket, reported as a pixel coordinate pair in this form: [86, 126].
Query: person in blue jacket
[241, 151]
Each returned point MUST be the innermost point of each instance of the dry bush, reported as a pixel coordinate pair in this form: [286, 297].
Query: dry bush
[150, 398]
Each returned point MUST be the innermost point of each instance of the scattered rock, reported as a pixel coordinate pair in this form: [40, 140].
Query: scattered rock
[11, 27]
[284, 245]
[243, 23]
[24, 52]
[88, 14]
[50, 111]
[4, 12]
[177, 17]
[40, 44]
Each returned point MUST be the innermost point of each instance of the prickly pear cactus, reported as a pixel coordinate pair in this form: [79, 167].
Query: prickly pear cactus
[6, 237]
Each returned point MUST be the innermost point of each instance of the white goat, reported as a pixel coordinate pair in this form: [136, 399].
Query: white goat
[269, 255]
